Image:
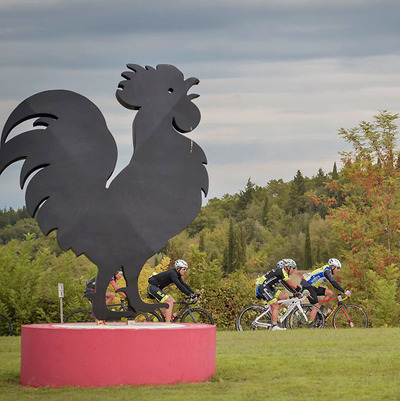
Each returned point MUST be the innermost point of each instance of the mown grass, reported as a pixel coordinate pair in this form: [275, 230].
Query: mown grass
[310, 365]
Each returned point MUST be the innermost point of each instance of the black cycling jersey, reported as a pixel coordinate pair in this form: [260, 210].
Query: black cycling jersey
[168, 277]
[275, 276]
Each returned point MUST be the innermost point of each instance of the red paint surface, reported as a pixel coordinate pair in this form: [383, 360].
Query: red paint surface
[53, 355]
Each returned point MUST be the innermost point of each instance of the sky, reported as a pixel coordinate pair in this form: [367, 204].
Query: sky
[278, 78]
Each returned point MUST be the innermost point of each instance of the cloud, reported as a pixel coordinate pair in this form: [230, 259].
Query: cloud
[277, 78]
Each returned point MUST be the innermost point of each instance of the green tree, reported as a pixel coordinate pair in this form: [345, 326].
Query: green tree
[335, 175]
[296, 201]
[307, 249]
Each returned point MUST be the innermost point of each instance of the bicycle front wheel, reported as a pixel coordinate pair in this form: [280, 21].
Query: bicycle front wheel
[197, 315]
[80, 316]
[249, 319]
[300, 318]
[6, 328]
[348, 316]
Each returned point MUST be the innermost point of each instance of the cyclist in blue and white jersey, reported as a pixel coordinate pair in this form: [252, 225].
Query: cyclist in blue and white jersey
[313, 281]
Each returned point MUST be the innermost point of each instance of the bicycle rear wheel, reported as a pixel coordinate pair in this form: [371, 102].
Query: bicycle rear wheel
[80, 316]
[247, 319]
[348, 316]
[301, 320]
[197, 315]
[6, 328]
[147, 317]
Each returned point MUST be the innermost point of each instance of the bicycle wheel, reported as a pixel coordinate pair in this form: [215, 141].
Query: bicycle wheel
[80, 316]
[301, 319]
[247, 319]
[348, 316]
[197, 315]
[147, 317]
[6, 328]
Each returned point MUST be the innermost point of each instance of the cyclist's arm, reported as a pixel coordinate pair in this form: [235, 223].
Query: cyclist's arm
[182, 286]
[289, 284]
[115, 286]
[335, 284]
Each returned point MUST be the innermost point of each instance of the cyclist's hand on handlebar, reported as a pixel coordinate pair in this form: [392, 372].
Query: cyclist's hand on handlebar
[347, 293]
[306, 293]
[195, 297]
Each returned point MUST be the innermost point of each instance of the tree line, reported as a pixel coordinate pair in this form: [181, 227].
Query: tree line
[351, 213]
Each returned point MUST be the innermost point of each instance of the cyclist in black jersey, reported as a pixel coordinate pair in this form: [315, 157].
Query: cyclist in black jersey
[159, 281]
[266, 287]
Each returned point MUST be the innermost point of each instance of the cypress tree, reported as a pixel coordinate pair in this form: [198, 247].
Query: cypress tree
[201, 242]
[307, 249]
[335, 174]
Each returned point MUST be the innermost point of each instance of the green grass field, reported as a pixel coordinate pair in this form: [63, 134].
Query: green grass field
[321, 365]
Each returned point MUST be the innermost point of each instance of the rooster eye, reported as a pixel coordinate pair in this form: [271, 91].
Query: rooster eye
[170, 90]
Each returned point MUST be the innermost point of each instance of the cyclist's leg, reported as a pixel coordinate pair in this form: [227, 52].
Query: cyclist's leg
[272, 296]
[313, 298]
[109, 297]
[161, 296]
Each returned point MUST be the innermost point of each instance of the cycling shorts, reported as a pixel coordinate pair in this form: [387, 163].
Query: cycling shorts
[157, 293]
[314, 292]
[269, 294]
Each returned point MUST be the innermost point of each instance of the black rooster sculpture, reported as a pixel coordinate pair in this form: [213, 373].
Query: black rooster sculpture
[70, 154]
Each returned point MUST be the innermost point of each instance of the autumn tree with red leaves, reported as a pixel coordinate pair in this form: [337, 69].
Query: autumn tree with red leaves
[368, 218]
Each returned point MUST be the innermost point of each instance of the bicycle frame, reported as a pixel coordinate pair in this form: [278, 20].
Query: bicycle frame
[293, 303]
[186, 306]
[340, 304]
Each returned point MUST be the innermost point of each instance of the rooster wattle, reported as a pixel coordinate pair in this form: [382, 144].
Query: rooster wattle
[70, 154]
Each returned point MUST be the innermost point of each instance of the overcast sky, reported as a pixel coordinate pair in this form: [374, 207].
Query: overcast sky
[278, 78]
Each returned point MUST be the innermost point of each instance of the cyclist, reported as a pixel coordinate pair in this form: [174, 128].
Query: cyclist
[312, 282]
[110, 295]
[157, 282]
[266, 287]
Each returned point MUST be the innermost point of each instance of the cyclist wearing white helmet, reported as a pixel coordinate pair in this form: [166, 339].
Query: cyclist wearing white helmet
[157, 282]
[312, 282]
[267, 291]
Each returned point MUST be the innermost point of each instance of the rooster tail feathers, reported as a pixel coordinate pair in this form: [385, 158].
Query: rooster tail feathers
[69, 143]
[38, 105]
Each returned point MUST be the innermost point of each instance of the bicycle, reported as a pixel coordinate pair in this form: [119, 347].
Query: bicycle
[86, 315]
[295, 316]
[346, 315]
[6, 327]
[187, 314]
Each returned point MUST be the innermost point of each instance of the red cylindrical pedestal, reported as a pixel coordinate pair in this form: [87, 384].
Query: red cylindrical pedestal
[87, 355]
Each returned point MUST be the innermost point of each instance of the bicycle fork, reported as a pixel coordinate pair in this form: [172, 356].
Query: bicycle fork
[347, 315]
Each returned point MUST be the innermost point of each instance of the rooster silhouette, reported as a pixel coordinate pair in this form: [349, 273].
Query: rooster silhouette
[70, 154]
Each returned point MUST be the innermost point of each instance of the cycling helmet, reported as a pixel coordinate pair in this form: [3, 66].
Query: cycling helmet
[332, 262]
[181, 264]
[290, 263]
[281, 263]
